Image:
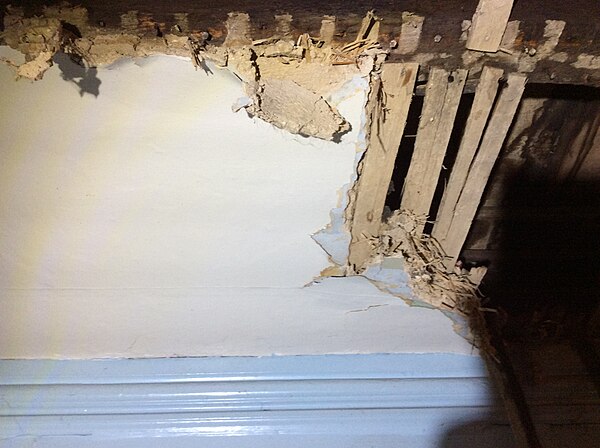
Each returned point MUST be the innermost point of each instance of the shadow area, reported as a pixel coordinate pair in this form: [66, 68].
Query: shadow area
[545, 282]
[479, 434]
[547, 271]
[74, 70]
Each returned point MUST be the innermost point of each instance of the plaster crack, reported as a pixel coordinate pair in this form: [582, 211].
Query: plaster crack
[362, 310]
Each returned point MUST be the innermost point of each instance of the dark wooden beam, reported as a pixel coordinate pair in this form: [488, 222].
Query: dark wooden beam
[440, 43]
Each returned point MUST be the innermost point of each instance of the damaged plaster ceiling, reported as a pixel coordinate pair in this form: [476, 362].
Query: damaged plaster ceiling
[283, 79]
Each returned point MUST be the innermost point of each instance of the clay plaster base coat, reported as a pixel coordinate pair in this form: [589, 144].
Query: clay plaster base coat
[153, 221]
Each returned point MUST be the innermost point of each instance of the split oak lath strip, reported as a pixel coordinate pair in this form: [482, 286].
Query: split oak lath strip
[485, 94]
[389, 103]
[481, 168]
[489, 24]
[442, 97]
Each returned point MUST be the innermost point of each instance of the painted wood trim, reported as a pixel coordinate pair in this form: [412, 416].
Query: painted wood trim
[442, 97]
[485, 95]
[491, 144]
[488, 25]
[389, 103]
[337, 400]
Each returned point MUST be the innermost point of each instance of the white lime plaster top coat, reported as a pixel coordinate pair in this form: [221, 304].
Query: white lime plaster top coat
[153, 221]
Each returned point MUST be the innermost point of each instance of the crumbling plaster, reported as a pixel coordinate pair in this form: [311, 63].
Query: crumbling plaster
[152, 220]
[294, 86]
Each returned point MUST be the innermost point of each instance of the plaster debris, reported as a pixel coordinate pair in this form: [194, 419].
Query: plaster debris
[73, 15]
[424, 261]
[106, 49]
[410, 33]
[32, 36]
[319, 77]
[587, 61]
[552, 32]
[410, 265]
[561, 56]
[35, 69]
[38, 38]
[289, 106]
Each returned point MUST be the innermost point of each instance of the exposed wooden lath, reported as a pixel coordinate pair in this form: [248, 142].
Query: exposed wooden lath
[488, 25]
[481, 168]
[389, 102]
[491, 115]
[442, 97]
[485, 95]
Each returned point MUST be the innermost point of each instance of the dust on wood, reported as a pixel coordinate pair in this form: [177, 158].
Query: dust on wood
[442, 97]
[389, 101]
[488, 25]
[410, 33]
[478, 117]
[481, 168]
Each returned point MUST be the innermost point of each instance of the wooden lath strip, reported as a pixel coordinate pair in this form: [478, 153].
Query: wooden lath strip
[493, 139]
[442, 97]
[488, 25]
[485, 95]
[389, 102]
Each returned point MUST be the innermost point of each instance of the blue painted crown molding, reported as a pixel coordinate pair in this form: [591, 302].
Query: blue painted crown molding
[393, 400]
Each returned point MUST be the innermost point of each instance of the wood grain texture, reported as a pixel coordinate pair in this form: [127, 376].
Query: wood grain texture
[442, 97]
[493, 139]
[389, 101]
[485, 95]
[489, 23]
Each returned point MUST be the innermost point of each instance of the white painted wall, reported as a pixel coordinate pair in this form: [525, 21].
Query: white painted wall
[151, 220]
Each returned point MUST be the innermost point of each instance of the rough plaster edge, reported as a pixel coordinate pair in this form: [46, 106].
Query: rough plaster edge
[115, 47]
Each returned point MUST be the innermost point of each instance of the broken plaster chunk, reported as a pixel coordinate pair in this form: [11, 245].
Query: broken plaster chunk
[560, 57]
[106, 49]
[290, 106]
[33, 36]
[73, 15]
[36, 68]
[587, 61]
[151, 45]
[552, 32]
